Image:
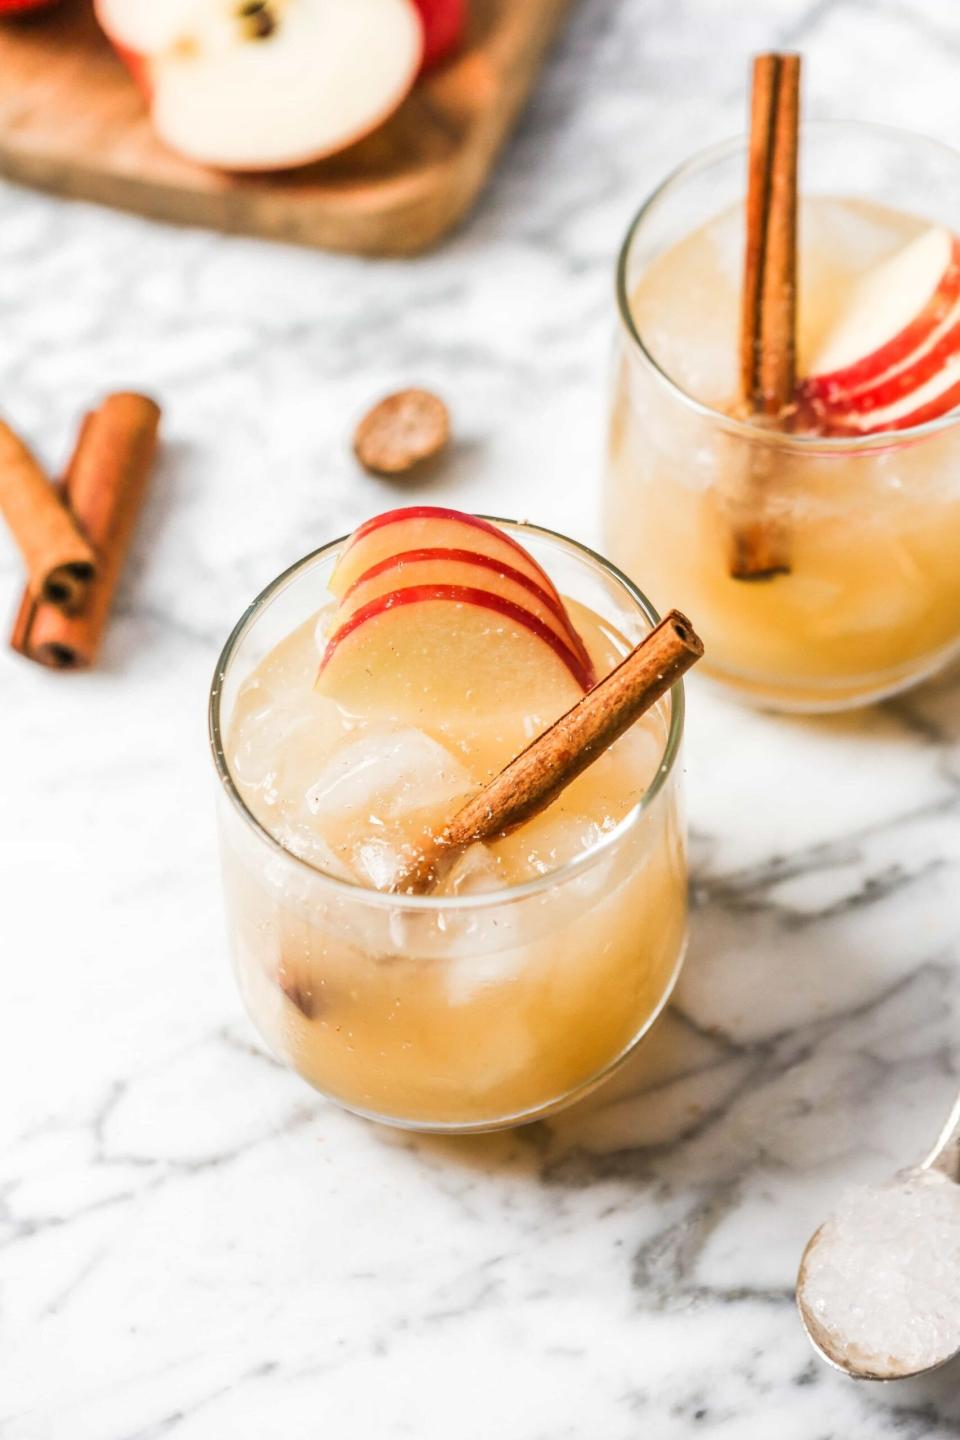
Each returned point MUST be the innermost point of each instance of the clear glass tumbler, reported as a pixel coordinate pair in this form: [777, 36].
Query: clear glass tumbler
[871, 603]
[471, 1012]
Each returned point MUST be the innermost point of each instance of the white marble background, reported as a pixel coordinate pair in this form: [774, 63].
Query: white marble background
[191, 1244]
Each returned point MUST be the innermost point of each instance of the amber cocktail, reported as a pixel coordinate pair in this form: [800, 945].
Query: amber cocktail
[541, 958]
[862, 484]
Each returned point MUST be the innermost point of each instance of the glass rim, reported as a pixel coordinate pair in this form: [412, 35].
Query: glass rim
[809, 444]
[363, 894]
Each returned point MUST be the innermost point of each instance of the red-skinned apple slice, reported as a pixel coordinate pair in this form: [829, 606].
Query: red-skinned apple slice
[421, 527]
[929, 401]
[436, 565]
[266, 84]
[890, 313]
[923, 365]
[431, 649]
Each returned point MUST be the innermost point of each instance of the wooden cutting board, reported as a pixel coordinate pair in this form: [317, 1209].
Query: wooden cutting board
[73, 122]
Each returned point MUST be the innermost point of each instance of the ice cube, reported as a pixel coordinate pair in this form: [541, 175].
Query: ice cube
[265, 733]
[549, 842]
[278, 744]
[481, 946]
[386, 774]
[905, 598]
[848, 234]
[312, 847]
[484, 950]
[377, 862]
[501, 1050]
[475, 872]
[686, 307]
[639, 752]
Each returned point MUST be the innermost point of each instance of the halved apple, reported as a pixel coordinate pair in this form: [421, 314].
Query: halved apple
[421, 527]
[24, 7]
[895, 308]
[266, 84]
[444, 23]
[449, 650]
[437, 565]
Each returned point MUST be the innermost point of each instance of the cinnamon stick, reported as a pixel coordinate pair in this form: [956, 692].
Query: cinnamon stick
[769, 307]
[548, 765]
[59, 559]
[104, 487]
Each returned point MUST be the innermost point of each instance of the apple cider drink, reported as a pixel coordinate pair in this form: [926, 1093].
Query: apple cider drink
[365, 697]
[861, 488]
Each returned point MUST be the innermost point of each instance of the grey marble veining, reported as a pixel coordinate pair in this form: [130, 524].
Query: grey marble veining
[191, 1244]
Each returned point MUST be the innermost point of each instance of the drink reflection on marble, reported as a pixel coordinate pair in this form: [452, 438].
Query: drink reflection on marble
[540, 959]
[866, 492]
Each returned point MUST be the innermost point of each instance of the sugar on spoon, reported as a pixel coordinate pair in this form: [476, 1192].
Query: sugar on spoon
[879, 1283]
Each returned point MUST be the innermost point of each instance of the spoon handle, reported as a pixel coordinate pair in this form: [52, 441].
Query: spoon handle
[945, 1155]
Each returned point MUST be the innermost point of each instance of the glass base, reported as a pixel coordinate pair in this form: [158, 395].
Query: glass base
[527, 1117]
[823, 697]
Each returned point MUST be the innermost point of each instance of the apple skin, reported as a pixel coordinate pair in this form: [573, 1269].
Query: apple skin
[25, 7]
[458, 595]
[902, 382]
[139, 67]
[441, 512]
[137, 64]
[847, 427]
[906, 381]
[483, 562]
[834, 388]
[444, 24]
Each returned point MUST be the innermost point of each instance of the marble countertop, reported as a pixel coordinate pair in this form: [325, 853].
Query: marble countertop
[191, 1243]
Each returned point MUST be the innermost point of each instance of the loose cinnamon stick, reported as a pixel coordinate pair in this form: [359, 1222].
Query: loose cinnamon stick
[547, 766]
[60, 561]
[769, 307]
[104, 487]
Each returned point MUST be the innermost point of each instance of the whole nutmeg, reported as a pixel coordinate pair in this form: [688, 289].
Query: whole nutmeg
[402, 431]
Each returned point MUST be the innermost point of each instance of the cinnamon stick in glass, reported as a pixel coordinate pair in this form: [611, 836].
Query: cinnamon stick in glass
[104, 487]
[59, 558]
[769, 307]
[548, 765]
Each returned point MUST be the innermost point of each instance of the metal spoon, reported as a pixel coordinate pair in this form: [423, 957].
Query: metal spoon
[918, 1184]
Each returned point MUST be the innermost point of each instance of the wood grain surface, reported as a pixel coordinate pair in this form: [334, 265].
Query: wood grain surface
[72, 122]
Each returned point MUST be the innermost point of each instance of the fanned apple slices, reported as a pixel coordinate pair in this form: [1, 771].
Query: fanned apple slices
[417, 527]
[892, 357]
[442, 609]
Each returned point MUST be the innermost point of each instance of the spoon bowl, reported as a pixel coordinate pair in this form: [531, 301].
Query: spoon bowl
[877, 1280]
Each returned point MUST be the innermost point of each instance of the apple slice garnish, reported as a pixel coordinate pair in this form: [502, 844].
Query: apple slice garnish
[437, 565]
[448, 650]
[422, 527]
[938, 396]
[890, 359]
[893, 309]
[924, 365]
[266, 84]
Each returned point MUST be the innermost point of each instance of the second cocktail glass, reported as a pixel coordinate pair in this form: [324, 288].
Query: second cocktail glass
[871, 602]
